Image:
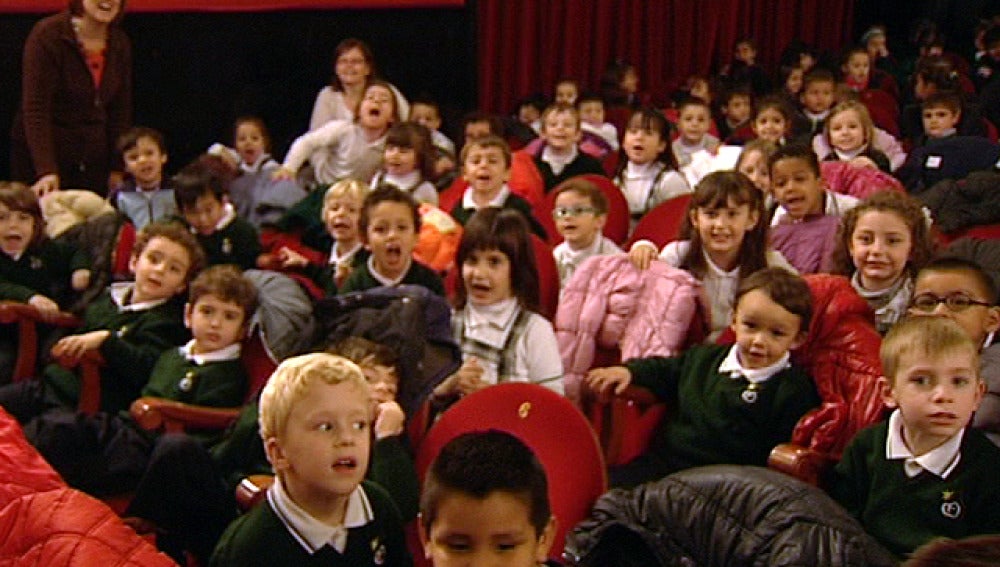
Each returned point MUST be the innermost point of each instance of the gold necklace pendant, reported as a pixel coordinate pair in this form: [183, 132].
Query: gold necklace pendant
[750, 394]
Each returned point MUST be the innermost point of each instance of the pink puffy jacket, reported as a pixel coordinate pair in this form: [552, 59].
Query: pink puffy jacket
[859, 182]
[608, 303]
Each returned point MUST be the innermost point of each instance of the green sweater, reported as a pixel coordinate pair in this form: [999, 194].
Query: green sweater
[707, 420]
[260, 538]
[324, 275]
[418, 274]
[43, 269]
[516, 202]
[904, 513]
[238, 243]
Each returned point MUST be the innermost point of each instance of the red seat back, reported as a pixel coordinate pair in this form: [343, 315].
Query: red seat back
[616, 227]
[662, 224]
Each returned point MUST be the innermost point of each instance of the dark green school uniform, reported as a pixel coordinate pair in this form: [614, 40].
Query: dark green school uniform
[581, 165]
[236, 243]
[513, 201]
[44, 269]
[324, 275]
[904, 513]
[418, 274]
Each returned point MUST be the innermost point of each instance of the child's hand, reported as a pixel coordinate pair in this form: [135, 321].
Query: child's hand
[468, 379]
[45, 306]
[291, 259]
[642, 255]
[282, 173]
[862, 162]
[75, 346]
[46, 184]
[389, 420]
[608, 381]
[80, 280]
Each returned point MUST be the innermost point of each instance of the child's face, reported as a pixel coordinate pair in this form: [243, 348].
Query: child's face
[103, 12]
[528, 114]
[391, 237]
[880, 248]
[486, 170]
[770, 125]
[322, 452]
[630, 81]
[486, 274]
[737, 110]
[214, 323]
[592, 112]
[857, 67]
[249, 142]
[754, 166]
[145, 162]
[722, 229]
[793, 83]
[746, 53]
[566, 93]
[817, 96]
[577, 220]
[382, 381]
[693, 123]
[700, 89]
[936, 395]
[341, 215]
[352, 68]
[560, 130]
[476, 130]
[425, 115]
[160, 270]
[939, 121]
[876, 47]
[977, 321]
[797, 187]
[17, 228]
[847, 133]
[204, 215]
[642, 145]
[765, 330]
[494, 531]
[378, 108]
[399, 160]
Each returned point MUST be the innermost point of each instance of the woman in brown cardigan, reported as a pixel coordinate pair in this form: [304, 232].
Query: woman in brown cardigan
[76, 98]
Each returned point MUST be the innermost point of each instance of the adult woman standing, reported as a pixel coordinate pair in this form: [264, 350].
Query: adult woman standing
[76, 98]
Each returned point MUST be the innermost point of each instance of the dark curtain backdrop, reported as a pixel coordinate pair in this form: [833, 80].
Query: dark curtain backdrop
[526, 46]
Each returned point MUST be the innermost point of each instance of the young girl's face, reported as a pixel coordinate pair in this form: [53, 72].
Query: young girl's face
[770, 125]
[880, 248]
[566, 93]
[560, 130]
[341, 215]
[486, 274]
[847, 133]
[857, 67]
[642, 144]
[399, 160]
[391, 237]
[793, 83]
[249, 142]
[378, 108]
[746, 53]
[17, 228]
[737, 110]
[352, 68]
[754, 166]
[722, 228]
[797, 187]
[630, 81]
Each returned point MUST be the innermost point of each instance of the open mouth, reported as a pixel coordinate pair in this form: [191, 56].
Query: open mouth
[345, 464]
[393, 253]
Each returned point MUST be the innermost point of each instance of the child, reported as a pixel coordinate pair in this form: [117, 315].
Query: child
[881, 245]
[592, 123]
[753, 162]
[389, 225]
[567, 92]
[200, 189]
[620, 85]
[791, 83]
[130, 325]
[353, 71]
[850, 132]
[342, 148]
[485, 502]
[560, 157]
[963, 291]
[427, 113]
[817, 99]
[694, 118]
[529, 112]
[486, 166]
[408, 162]
[648, 172]
[315, 419]
[744, 69]
[937, 75]
[805, 223]
[723, 238]
[772, 120]
[922, 473]
[737, 104]
[580, 211]
[733, 403]
[144, 197]
[501, 336]
[251, 146]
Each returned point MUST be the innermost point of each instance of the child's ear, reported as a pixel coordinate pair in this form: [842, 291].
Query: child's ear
[800, 339]
[275, 454]
[601, 220]
[424, 531]
[545, 540]
[992, 321]
[885, 387]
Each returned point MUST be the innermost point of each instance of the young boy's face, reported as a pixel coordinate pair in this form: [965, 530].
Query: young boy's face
[425, 115]
[746, 53]
[214, 322]
[770, 125]
[391, 237]
[17, 228]
[765, 330]
[857, 67]
[322, 452]
[382, 381]
[577, 220]
[486, 170]
[249, 142]
[566, 93]
[693, 123]
[528, 114]
[145, 162]
[341, 215]
[939, 121]
[494, 531]
[977, 321]
[161, 270]
[204, 215]
[477, 129]
[560, 130]
[592, 112]
[797, 187]
[737, 110]
[817, 96]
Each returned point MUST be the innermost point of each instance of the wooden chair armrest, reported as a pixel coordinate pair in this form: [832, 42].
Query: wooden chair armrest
[15, 311]
[800, 462]
[90, 365]
[154, 414]
[625, 423]
[27, 317]
[252, 489]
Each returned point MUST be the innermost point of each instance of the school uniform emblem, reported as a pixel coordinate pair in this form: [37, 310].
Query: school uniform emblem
[378, 552]
[950, 507]
[227, 246]
[750, 394]
[35, 262]
[187, 382]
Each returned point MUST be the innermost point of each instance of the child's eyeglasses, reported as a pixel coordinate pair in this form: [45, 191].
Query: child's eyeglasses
[565, 212]
[956, 302]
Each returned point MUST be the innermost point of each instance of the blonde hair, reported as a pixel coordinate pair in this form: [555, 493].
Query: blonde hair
[925, 335]
[866, 121]
[345, 188]
[292, 381]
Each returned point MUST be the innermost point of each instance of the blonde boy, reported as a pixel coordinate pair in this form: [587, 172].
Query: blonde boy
[560, 157]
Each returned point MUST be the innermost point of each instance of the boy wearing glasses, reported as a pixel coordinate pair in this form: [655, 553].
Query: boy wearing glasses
[961, 290]
[580, 211]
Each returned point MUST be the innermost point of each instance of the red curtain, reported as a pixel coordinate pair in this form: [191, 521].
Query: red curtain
[526, 46]
[45, 6]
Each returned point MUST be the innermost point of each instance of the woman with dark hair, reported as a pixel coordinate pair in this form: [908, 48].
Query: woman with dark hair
[76, 98]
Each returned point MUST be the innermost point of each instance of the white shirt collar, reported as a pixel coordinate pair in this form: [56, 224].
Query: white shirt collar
[558, 162]
[384, 280]
[939, 461]
[491, 323]
[311, 533]
[346, 257]
[734, 273]
[404, 182]
[647, 170]
[848, 156]
[228, 216]
[121, 291]
[231, 352]
[469, 203]
[731, 365]
[816, 116]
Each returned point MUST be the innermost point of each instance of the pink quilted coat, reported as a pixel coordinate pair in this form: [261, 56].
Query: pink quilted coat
[842, 177]
[608, 303]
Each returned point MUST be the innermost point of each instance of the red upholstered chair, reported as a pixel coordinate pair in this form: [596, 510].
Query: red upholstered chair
[27, 318]
[662, 223]
[991, 130]
[550, 425]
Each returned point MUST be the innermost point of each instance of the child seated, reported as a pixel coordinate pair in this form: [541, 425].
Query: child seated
[817, 99]
[922, 473]
[601, 135]
[694, 118]
[850, 134]
[408, 162]
[315, 419]
[129, 325]
[729, 404]
[560, 157]
[772, 120]
[201, 189]
[389, 225]
[486, 502]
[145, 196]
[736, 106]
[580, 211]
[427, 113]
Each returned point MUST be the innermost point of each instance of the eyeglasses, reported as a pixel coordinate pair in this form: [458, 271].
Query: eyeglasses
[565, 212]
[956, 302]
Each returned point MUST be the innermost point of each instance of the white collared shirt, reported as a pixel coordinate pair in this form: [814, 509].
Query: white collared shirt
[384, 280]
[498, 201]
[637, 184]
[731, 365]
[121, 291]
[311, 533]
[558, 162]
[940, 461]
[231, 352]
[345, 258]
